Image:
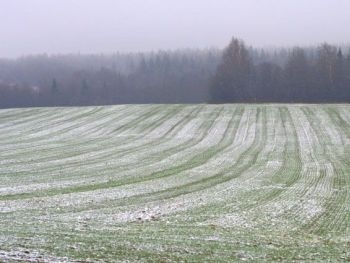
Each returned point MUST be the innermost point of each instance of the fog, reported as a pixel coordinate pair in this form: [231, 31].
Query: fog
[96, 26]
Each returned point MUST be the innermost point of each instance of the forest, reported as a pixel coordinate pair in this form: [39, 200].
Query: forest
[237, 74]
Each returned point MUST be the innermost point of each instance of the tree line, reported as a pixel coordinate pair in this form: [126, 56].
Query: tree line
[236, 74]
[317, 74]
[76, 80]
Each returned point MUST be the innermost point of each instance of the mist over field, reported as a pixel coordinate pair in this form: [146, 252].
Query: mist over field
[174, 131]
[60, 53]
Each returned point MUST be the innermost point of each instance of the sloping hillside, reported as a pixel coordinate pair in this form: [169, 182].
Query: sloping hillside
[170, 183]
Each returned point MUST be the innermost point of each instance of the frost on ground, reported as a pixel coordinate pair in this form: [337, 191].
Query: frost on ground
[165, 183]
[27, 256]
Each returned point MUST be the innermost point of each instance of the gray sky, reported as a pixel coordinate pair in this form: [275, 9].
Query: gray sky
[94, 26]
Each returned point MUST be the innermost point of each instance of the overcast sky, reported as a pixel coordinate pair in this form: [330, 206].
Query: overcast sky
[95, 26]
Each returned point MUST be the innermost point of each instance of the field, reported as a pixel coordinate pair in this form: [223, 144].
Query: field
[157, 183]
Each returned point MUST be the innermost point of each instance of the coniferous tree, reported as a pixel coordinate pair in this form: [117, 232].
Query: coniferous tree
[54, 87]
[325, 68]
[339, 76]
[54, 99]
[232, 79]
[297, 76]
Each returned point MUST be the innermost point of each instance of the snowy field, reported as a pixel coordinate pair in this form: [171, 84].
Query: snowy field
[169, 183]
